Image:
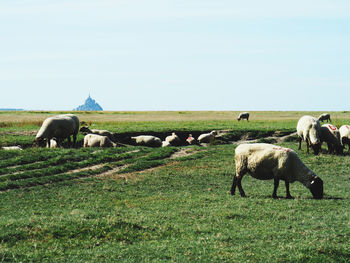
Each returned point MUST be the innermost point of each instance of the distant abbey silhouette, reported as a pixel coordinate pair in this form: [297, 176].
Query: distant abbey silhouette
[89, 105]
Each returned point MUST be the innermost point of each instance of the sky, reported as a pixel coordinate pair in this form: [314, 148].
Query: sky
[133, 55]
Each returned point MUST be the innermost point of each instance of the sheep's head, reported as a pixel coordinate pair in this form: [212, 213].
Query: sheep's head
[39, 142]
[316, 187]
[85, 130]
[316, 148]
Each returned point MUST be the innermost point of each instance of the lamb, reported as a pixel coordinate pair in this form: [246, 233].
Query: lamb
[53, 143]
[85, 130]
[165, 144]
[267, 161]
[308, 130]
[190, 140]
[330, 134]
[324, 117]
[173, 139]
[95, 140]
[18, 147]
[243, 115]
[207, 137]
[60, 127]
[148, 140]
[344, 132]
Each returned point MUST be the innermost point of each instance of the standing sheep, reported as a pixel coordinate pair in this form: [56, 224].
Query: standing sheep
[95, 140]
[308, 130]
[330, 134]
[207, 137]
[243, 115]
[344, 132]
[324, 117]
[60, 127]
[173, 139]
[85, 130]
[148, 140]
[266, 161]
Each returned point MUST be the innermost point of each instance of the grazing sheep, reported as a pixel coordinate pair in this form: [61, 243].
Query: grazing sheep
[207, 137]
[18, 147]
[344, 132]
[324, 117]
[60, 127]
[243, 115]
[166, 144]
[85, 130]
[95, 140]
[308, 130]
[173, 139]
[266, 161]
[330, 134]
[190, 140]
[148, 140]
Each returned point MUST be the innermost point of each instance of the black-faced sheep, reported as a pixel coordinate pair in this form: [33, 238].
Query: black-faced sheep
[60, 127]
[207, 137]
[324, 117]
[266, 161]
[308, 130]
[148, 140]
[85, 130]
[243, 115]
[344, 132]
[330, 134]
[95, 140]
[173, 139]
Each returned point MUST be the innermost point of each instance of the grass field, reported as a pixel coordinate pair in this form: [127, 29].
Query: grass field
[139, 204]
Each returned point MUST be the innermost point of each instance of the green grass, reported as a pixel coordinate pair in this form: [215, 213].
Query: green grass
[179, 211]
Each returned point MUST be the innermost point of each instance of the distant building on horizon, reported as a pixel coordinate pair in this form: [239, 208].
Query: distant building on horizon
[89, 105]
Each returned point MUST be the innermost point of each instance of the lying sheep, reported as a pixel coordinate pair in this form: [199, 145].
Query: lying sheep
[85, 130]
[330, 134]
[148, 140]
[308, 130]
[324, 117]
[173, 139]
[266, 161]
[344, 132]
[18, 147]
[207, 137]
[243, 115]
[60, 127]
[95, 140]
[166, 144]
[190, 140]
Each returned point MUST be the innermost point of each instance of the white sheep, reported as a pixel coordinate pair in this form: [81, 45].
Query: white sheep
[308, 130]
[207, 137]
[344, 132]
[95, 140]
[85, 130]
[173, 139]
[147, 140]
[60, 127]
[330, 134]
[166, 144]
[266, 161]
[190, 140]
[243, 115]
[18, 147]
[324, 117]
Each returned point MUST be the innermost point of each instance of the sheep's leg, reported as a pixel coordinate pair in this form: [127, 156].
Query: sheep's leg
[237, 181]
[275, 186]
[234, 184]
[307, 146]
[288, 196]
[74, 139]
[69, 141]
[299, 143]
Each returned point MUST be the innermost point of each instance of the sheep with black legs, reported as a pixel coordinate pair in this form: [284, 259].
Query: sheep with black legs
[324, 117]
[344, 132]
[266, 161]
[308, 130]
[330, 134]
[243, 115]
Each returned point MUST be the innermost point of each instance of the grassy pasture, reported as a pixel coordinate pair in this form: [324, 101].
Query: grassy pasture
[139, 204]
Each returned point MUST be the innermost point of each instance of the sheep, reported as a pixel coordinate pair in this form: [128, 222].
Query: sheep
[147, 140]
[344, 132]
[85, 130]
[166, 144]
[60, 127]
[243, 115]
[53, 143]
[18, 147]
[207, 137]
[95, 140]
[267, 161]
[330, 134]
[173, 139]
[324, 117]
[308, 130]
[190, 140]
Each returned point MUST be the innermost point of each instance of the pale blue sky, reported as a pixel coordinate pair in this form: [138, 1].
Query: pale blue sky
[175, 55]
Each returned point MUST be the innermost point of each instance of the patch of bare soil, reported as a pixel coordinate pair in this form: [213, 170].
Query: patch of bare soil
[182, 152]
[93, 167]
[272, 139]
